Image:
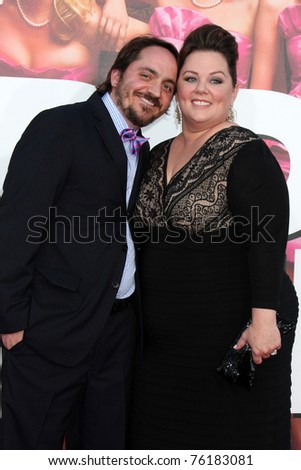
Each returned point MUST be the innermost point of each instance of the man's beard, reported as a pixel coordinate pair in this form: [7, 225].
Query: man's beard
[131, 114]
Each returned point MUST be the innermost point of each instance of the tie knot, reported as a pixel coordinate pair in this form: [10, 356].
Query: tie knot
[136, 141]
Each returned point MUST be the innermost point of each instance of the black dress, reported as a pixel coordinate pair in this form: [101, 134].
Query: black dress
[200, 277]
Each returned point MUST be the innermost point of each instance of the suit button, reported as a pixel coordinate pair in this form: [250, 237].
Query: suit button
[115, 285]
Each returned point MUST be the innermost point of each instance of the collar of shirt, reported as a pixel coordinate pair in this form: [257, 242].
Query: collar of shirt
[127, 283]
[120, 124]
[116, 116]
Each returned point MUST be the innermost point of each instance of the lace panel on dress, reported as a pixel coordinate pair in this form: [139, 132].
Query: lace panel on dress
[196, 197]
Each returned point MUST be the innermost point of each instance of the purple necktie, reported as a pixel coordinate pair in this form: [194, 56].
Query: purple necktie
[136, 141]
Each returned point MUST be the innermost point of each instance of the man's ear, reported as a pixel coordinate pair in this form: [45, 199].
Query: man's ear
[115, 77]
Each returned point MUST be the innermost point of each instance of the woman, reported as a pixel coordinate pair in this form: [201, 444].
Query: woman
[208, 264]
[59, 38]
[277, 48]
[172, 20]
[277, 30]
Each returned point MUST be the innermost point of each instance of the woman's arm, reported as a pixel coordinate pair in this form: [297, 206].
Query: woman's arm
[266, 44]
[257, 192]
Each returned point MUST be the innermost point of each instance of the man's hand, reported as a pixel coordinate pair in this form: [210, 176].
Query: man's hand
[10, 340]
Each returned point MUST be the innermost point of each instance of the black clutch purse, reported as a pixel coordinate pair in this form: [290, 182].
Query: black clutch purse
[237, 366]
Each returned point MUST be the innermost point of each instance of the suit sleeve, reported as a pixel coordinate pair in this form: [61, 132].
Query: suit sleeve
[37, 171]
[258, 196]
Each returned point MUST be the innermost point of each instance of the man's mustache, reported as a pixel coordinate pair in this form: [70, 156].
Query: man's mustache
[152, 99]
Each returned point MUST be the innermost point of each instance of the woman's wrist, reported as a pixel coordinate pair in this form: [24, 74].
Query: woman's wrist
[263, 316]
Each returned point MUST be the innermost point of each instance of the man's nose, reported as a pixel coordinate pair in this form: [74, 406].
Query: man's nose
[155, 88]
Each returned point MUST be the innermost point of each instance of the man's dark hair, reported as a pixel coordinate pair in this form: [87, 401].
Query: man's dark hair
[130, 52]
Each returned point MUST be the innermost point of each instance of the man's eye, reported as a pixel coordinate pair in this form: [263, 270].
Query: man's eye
[169, 88]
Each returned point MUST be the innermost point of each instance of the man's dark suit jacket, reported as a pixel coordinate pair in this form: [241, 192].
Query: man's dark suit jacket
[59, 285]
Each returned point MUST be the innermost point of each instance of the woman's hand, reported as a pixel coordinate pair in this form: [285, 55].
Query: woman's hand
[113, 24]
[106, 27]
[262, 335]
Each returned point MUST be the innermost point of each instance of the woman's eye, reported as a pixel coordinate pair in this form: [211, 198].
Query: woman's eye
[190, 79]
[216, 81]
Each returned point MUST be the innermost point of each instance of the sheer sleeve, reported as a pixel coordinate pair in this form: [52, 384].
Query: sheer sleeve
[258, 196]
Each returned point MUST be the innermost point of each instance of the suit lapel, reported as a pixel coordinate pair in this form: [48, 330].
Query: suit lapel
[114, 145]
[110, 136]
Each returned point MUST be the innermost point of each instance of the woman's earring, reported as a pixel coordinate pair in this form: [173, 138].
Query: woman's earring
[178, 114]
[231, 114]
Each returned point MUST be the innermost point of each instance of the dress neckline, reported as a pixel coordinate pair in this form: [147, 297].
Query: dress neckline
[201, 148]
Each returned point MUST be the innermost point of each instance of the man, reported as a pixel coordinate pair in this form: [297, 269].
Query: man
[67, 262]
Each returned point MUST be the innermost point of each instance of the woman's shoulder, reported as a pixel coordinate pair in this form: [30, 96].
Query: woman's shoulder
[242, 133]
[229, 139]
[250, 139]
[254, 155]
[161, 147]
